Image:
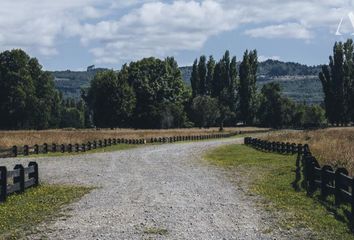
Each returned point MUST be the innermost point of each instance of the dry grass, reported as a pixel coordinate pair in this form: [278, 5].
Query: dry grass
[10, 138]
[333, 146]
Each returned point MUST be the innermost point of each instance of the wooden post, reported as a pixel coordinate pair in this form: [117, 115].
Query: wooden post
[21, 178]
[35, 174]
[25, 150]
[3, 184]
[54, 147]
[14, 151]
[36, 149]
[45, 148]
[62, 148]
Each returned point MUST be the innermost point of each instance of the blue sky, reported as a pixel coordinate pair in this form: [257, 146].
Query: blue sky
[72, 34]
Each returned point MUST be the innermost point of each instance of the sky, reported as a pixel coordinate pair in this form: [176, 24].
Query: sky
[72, 34]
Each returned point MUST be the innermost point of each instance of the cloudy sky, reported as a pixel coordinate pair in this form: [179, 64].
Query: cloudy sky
[72, 34]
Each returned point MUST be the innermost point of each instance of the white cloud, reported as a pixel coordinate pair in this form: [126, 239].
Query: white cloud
[289, 30]
[116, 31]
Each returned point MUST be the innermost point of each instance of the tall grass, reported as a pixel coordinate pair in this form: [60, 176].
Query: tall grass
[10, 138]
[333, 146]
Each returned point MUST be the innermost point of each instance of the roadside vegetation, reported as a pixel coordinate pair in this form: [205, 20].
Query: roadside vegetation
[333, 146]
[20, 214]
[270, 176]
[66, 136]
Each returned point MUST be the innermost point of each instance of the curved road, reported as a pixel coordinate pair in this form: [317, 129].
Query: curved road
[153, 192]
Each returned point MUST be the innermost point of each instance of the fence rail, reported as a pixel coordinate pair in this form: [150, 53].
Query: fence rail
[17, 180]
[94, 144]
[325, 179]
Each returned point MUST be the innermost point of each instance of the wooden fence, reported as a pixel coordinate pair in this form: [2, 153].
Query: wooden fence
[18, 180]
[90, 145]
[310, 175]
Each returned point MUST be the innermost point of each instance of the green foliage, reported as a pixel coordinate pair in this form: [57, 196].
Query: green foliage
[28, 98]
[277, 111]
[160, 93]
[272, 175]
[72, 117]
[247, 90]
[21, 213]
[205, 111]
[338, 84]
[111, 100]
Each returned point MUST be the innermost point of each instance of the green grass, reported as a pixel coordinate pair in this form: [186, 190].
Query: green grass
[21, 213]
[271, 177]
[112, 148]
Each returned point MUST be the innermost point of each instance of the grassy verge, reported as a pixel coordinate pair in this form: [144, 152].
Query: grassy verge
[112, 148]
[272, 175]
[21, 213]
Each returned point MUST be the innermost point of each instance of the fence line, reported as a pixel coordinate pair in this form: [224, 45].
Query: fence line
[325, 179]
[91, 145]
[18, 180]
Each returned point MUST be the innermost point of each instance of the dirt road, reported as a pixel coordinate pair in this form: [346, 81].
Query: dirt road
[154, 192]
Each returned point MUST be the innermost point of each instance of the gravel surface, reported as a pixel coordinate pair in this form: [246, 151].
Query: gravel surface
[153, 192]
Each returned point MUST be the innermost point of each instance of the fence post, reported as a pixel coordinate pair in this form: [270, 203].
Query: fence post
[54, 147]
[14, 151]
[45, 148]
[62, 148]
[3, 184]
[21, 178]
[36, 149]
[35, 174]
[338, 185]
[25, 150]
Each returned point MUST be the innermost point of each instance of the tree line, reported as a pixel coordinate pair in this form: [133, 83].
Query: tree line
[28, 98]
[149, 93]
[338, 84]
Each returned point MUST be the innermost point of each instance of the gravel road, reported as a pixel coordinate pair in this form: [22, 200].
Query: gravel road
[153, 192]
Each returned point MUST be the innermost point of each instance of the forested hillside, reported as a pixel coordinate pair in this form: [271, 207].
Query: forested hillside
[299, 82]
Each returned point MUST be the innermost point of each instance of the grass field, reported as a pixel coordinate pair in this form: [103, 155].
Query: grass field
[333, 146]
[270, 176]
[21, 213]
[10, 138]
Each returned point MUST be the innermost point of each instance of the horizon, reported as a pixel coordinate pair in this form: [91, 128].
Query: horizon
[75, 34]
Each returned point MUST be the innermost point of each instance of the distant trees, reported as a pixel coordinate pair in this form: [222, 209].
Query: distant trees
[248, 78]
[205, 111]
[111, 100]
[150, 93]
[28, 98]
[277, 111]
[338, 83]
[218, 81]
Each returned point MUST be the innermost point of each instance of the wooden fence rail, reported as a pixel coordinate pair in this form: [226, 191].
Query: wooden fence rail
[328, 181]
[94, 144]
[17, 180]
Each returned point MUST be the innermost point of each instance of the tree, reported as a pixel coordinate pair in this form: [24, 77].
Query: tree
[159, 89]
[337, 83]
[210, 75]
[270, 109]
[111, 100]
[195, 81]
[205, 111]
[247, 88]
[28, 98]
[202, 72]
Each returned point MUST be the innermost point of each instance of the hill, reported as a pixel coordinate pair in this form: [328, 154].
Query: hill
[299, 82]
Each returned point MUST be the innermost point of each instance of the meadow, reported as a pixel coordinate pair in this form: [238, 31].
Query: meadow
[59, 136]
[332, 146]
